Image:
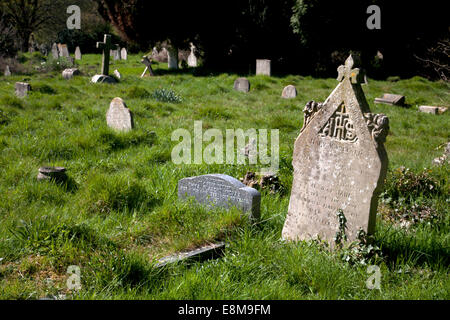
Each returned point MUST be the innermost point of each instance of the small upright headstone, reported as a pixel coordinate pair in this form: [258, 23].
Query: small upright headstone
[339, 164]
[242, 84]
[22, 89]
[172, 57]
[221, 191]
[289, 92]
[116, 54]
[392, 99]
[263, 67]
[192, 59]
[64, 51]
[148, 66]
[124, 54]
[7, 71]
[55, 51]
[119, 117]
[77, 53]
[106, 48]
[69, 73]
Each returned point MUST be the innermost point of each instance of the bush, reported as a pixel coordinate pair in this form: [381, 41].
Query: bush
[166, 95]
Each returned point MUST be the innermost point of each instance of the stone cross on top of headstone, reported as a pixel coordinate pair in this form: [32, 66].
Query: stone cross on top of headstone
[348, 72]
[106, 46]
[339, 163]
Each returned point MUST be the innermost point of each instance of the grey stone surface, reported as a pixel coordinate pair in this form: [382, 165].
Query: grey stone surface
[242, 84]
[64, 51]
[289, 92]
[222, 191]
[115, 54]
[55, 51]
[7, 71]
[78, 55]
[192, 59]
[100, 78]
[124, 54]
[432, 109]
[70, 73]
[263, 67]
[339, 162]
[57, 174]
[172, 57]
[119, 117]
[117, 74]
[208, 252]
[392, 99]
[148, 66]
[22, 89]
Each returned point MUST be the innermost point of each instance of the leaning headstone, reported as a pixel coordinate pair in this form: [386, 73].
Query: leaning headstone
[55, 51]
[117, 74]
[289, 92]
[57, 174]
[22, 89]
[208, 252]
[339, 163]
[69, 73]
[7, 71]
[124, 54]
[432, 109]
[106, 47]
[192, 59]
[392, 99]
[221, 191]
[148, 66]
[242, 84]
[77, 53]
[119, 117]
[263, 67]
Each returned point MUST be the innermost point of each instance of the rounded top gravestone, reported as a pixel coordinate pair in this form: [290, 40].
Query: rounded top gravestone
[289, 92]
[119, 117]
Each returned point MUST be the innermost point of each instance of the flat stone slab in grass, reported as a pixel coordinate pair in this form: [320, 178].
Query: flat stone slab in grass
[392, 99]
[289, 92]
[100, 78]
[339, 162]
[263, 67]
[212, 251]
[432, 109]
[22, 89]
[242, 84]
[220, 190]
[52, 173]
[70, 73]
[119, 117]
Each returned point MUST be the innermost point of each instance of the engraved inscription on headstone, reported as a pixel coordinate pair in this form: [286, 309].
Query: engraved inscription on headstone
[263, 67]
[119, 117]
[221, 191]
[339, 163]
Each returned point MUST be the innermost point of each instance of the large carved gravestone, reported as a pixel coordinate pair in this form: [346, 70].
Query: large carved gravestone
[119, 117]
[221, 191]
[339, 163]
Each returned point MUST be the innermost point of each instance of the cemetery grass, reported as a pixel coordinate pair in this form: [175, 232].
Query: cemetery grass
[118, 213]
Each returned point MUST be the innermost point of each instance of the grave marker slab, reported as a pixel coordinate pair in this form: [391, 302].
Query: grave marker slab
[70, 73]
[289, 92]
[57, 174]
[64, 51]
[242, 84]
[263, 67]
[192, 59]
[124, 54]
[201, 254]
[117, 74]
[7, 71]
[119, 117]
[55, 51]
[22, 89]
[148, 66]
[78, 53]
[392, 99]
[222, 191]
[339, 163]
[432, 109]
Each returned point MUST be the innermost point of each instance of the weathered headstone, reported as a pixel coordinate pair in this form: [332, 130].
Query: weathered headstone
[64, 51]
[7, 71]
[263, 67]
[57, 174]
[148, 66]
[117, 74]
[432, 109]
[124, 54]
[119, 117]
[192, 59]
[289, 92]
[77, 53]
[106, 47]
[242, 84]
[22, 89]
[172, 57]
[339, 163]
[208, 252]
[222, 191]
[392, 99]
[55, 51]
[115, 54]
[69, 73]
